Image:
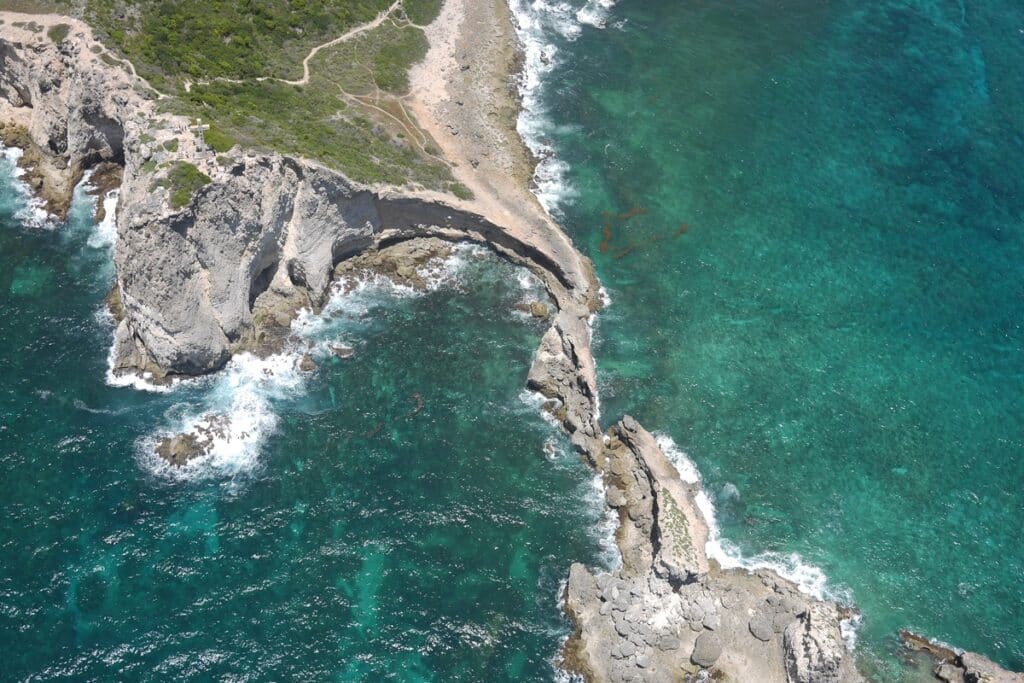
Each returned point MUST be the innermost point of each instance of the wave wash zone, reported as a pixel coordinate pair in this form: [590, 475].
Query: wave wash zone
[808, 221]
[403, 509]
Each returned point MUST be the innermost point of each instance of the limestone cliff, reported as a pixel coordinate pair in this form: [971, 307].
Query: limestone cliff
[216, 254]
[67, 108]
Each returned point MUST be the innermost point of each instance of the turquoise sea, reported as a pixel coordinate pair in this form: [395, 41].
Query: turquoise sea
[809, 218]
[403, 515]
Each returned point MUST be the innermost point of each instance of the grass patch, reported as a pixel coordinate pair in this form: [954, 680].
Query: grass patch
[196, 39]
[460, 191]
[378, 59]
[58, 32]
[372, 139]
[315, 123]
[171, 145]
[218, 140]
[183, 181]
[422, 12]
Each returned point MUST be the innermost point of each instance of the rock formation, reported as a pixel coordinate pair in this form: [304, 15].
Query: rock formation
[957, 666]
[63, 105]
[668, 612]
[224, 263]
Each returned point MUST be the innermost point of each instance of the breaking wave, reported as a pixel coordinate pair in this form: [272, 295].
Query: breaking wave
[237, 408]
[31, 210]
[541, 24]
[809, 578]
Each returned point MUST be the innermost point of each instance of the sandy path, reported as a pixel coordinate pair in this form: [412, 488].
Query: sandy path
[362, 28]
[462, 94]
[348, 35]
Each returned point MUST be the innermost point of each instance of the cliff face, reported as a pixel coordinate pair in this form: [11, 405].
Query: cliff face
[203, 281]
[256, 239]
[63, 105]
[224, 264]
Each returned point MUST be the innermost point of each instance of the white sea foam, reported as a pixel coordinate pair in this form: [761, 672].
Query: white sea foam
[848, 629]
[595, 13]
[536, 400]
[33, 211]
[105, 233]
[235, 417]
[536, 22]
[539, 25]
[611, 558]
[236, 412]
[809, 578]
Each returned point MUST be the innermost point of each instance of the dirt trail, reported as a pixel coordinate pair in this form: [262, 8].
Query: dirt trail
[348, 35]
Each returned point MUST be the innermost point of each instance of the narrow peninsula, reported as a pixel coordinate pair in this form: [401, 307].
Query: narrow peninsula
[389, 136]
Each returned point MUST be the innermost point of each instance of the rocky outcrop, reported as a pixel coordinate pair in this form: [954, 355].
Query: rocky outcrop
[61, 103]
[223, 263]
[668, 613]
[956, 666]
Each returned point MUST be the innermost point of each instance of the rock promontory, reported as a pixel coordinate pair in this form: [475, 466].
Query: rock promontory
[217, 253]
[669, 613]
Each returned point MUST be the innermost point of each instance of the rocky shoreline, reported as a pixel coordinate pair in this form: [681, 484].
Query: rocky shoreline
[263, 236]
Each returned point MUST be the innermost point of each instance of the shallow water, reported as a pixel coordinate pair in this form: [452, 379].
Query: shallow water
[395, 516]
[809, 219]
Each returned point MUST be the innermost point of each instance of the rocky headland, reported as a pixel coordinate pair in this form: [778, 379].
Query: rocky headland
[217, 254]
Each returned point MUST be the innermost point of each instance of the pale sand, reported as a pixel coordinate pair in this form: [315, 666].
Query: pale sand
[464, 95]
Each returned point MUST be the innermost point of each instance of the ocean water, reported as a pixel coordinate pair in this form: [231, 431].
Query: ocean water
[404, 515]
[810, 221]
[808, 217]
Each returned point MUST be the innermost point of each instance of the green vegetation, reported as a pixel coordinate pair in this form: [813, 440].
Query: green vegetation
[58, 32]
[149, 166]
[422, 12]
[678, 527]
[219, 141]
[198, 39]
[377, 59]
[315, 123]
[183, 181]
[350, 116]
[29, 26]
[171, 145]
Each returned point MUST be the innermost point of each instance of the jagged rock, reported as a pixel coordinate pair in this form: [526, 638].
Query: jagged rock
[179, 449]
[979, 669]
[307, 364]
[814, 646]
[950, 673]
[343, 351]
[953, 666]
[706, 649]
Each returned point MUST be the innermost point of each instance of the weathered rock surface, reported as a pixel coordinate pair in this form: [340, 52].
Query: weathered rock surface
[179, 449]
[65, 107]
[228, 269]
[955, 666]
[668, 613]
